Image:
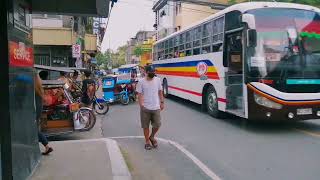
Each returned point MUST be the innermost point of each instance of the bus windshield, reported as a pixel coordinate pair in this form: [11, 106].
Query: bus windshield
[288, 47]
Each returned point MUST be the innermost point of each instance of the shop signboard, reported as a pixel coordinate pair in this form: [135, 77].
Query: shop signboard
[96, 25]
[20, 55]
[76, 51]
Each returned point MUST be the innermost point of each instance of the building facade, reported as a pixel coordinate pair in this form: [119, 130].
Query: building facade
[172, 16]
[142, 37]
[66, 33]
[19, 147]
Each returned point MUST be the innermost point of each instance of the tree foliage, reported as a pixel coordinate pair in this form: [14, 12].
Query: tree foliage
[119, 57]
[138, 51]
[231, 2]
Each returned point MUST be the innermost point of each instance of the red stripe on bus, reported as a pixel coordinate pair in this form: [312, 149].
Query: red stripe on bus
[210, 75]
[187, 91]
[194, 93]
[222, 100]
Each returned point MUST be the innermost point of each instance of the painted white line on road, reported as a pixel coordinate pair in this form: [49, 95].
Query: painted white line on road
[200, 164]
[119, 167]
[314, 134]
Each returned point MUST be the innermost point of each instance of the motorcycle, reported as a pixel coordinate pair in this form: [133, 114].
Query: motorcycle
[100, 106]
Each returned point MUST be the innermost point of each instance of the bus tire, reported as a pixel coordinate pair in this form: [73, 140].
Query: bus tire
[212, 103]
[165, 88]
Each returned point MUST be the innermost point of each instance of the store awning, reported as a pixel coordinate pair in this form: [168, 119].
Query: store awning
[93, 8]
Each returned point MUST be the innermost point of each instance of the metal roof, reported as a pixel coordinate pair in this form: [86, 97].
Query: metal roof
[50, 68]
[52, 82]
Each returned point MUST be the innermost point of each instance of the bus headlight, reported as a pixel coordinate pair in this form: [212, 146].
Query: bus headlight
[266, 102]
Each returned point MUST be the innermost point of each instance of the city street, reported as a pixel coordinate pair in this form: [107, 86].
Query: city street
[231, 148]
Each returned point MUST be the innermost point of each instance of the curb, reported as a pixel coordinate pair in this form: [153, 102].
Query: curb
[194, 159]
[119, 167]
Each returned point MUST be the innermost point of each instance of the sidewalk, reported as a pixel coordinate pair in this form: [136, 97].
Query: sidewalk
[83, 156]
[166, 162]
[98, 159]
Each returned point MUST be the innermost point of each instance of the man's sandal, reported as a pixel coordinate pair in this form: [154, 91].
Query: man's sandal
[47, 152]
[147, 146]
[154, 142]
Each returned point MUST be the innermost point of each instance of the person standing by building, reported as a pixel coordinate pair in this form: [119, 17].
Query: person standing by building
[151, 102]
[39, 97]
[88, 89]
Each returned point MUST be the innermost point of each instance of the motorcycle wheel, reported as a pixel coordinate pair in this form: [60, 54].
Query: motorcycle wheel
[88, 117]
[101, 108]
[124, 99]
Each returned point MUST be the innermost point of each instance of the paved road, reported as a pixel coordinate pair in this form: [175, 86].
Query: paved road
[232, 148]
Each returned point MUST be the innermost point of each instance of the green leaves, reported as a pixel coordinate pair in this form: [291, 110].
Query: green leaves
[138, 51]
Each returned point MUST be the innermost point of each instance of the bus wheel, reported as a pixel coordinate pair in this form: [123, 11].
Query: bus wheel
[212, 103]
[165, 88]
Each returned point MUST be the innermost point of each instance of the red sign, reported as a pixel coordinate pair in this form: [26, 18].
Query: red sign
[20, 55]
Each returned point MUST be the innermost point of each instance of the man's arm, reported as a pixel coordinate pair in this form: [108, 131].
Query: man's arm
[161, 97]
[140, 99]
[140, 94]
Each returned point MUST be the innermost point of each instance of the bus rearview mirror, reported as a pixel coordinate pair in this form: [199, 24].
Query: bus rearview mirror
[251, 38]
[292, 33]
[250, 20]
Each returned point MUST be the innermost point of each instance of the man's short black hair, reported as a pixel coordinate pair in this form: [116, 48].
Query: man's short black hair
[92, 55]
[87, 73]
[75, 73]
[44, 75]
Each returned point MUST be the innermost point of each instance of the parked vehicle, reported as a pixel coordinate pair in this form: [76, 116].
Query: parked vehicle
[61, 113]
[118, 88]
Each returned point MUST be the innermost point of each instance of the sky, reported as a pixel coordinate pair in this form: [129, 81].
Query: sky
[127, 18]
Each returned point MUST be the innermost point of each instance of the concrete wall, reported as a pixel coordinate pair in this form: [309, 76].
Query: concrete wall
[53, 36]
[166, 23]
[90, 42]
[191, 14]
[53, 23]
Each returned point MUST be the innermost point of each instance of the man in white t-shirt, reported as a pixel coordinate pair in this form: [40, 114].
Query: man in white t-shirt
[151, 102]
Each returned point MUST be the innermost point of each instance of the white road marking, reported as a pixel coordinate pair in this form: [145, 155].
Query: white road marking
[119, 168]
[200, 164]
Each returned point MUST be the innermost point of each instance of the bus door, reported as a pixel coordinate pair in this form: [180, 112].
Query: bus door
[234, 76]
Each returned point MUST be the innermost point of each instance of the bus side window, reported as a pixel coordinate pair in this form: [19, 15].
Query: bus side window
[188, 52]
[196, 51]
[217, 47]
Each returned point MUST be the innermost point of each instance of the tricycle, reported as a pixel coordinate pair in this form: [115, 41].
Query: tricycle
[61, 113]
[119, 88]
